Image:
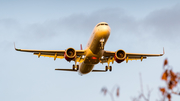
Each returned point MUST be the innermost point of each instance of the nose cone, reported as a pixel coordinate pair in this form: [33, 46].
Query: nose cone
[104, 31]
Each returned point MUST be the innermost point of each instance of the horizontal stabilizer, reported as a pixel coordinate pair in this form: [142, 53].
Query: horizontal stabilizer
[98, 71]
[67, 70]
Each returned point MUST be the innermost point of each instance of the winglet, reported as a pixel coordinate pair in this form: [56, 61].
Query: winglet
[16, 48]
[163, 52]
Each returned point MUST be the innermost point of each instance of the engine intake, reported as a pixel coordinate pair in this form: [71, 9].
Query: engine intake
[120, 56]
[70, 54]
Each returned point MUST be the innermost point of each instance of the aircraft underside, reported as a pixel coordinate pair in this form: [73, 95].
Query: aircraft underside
[93, 54]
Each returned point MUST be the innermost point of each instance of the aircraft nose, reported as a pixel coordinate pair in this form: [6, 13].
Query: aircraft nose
[104, 30]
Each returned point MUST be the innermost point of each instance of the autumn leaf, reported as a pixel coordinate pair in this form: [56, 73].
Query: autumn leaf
[163, 90]
[172, 73]
[165, 75]
[165, 62]
[178, 76]
[175, 83]
[169, 97]
[173, 76]
[172, 79]
[170, 85]
[117, 93]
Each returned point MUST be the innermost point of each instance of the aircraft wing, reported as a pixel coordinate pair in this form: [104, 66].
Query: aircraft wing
[129, 56]
[52, 53]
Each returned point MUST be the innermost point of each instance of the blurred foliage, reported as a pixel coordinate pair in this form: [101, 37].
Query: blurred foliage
[105, 91]
[171, 79]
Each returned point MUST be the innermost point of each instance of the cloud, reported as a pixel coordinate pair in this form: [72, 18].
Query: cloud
[161, 24]
[116, 18]
[74, 24]
[164, 23]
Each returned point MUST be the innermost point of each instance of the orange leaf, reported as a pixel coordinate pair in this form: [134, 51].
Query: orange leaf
[175, 83]
[173, 76]
[165, 75]
[163, 90]
[165, 62]
[170, 85]
[117, 92]
[172, 73]
[169, 97]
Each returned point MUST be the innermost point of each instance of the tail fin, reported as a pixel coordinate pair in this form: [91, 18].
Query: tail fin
[81, 46]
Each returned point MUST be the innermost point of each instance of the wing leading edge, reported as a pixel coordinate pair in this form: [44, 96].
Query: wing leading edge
[51, 53]
[132, 56]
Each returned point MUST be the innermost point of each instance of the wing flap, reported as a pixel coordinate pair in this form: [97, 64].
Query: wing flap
[60, 56]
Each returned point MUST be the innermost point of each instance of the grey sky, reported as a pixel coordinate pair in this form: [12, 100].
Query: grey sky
[136, 26]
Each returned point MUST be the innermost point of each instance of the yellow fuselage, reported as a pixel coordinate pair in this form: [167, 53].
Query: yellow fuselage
[94, 50]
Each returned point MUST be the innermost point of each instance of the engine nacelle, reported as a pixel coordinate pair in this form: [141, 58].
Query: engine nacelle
[120, 56]
[70, 54]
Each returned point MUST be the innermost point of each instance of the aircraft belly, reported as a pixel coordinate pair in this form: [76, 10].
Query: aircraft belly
[85, 68]
[90, 60]
[95, 45]
[94, 50]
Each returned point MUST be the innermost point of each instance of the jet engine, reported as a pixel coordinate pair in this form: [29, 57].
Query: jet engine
[120, 56]
[70, 54]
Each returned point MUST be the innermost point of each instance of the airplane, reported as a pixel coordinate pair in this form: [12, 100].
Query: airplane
[94, 53]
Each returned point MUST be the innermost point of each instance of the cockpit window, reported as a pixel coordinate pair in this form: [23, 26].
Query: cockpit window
[102, 24]
[98, 25]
